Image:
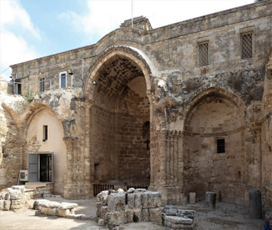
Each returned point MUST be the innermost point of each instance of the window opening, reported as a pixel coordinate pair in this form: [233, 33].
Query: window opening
[19, 87]
[63, 80]
[221, 146]
[203, 54]
[45, 132]
[246, 43]
[41, 85]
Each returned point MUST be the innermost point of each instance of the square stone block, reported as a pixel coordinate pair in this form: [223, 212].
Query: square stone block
[134, 200]
[64, 212]
[45, 210]
[144, 214]
[16, 204]
[155, 215]
[114, 218]
[130, 214]
[117, 202]
[7, 204]
[53, 211]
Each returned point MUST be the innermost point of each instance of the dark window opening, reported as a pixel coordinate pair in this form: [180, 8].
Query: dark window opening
[45, 132]
[41, 85]
[221, 146]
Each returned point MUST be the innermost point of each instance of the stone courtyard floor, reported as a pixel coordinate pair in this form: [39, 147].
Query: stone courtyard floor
[225, 216]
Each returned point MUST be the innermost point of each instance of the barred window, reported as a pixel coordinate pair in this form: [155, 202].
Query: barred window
[246, 45]
[41, 85]
[203, 54]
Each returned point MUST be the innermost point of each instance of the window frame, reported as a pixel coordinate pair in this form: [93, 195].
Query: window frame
[43, 88]
[45, 132]
[60, 75]
[220, 139]
[208, 54]
[252, 44]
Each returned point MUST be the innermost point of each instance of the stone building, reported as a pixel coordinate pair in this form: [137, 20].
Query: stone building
[183, 108]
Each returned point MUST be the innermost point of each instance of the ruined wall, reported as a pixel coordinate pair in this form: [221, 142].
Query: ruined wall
[134, 156]
[54, 144]
[205, 169]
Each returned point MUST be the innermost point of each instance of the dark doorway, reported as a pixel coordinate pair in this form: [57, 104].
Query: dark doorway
[45, 167]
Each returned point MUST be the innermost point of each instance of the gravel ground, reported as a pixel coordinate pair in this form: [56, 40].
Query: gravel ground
[226, 216]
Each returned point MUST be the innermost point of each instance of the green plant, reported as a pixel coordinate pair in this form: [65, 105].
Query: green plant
[29, 96]
[135, 218]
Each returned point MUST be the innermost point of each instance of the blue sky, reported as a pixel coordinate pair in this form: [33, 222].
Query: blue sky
[35, 28]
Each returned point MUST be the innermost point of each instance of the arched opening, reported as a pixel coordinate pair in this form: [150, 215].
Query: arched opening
[119, 136]
[215, 155]
[45, 137]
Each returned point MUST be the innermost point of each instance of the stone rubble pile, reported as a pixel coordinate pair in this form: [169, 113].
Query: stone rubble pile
[175, 218]
[135, 205]
[15, 197]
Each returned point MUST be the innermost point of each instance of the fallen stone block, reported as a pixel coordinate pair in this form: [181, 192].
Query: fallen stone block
[155, 215]
[176, 222]
[64, 212]
[70, 216]
[134, 215]
[144, 214]
[85, 217]
[170, 210]
[45, 210]
[65, 205]
[131, 190]
[114, 218]
[134, 200]
[101, 211]
[101, 222]
[7, 204]
[187, 213]
[16, 204]
[7, 196]
[15, 194]
[38, 212]
[21, 188]
[46, 194]
[53, 211]
[54, 204]
[1, 204]
[117, 202]
[140, 190]
[102, 198]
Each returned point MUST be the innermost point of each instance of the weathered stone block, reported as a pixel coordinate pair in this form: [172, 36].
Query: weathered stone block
[117, 202]
[38, 212]
[176, 222]
[170, 210]
[7, 204]
[53, 204]
[45, 210]
[65, 205]
[130, 214]
[1, 204]
[16, 204]
[114, 218]
[210, 199]
[144, 214]
[192, 198]
[101, 222]
[134, 200]
[53, 211]
[15, 194]
[64, 212]
[187, 213]
[102, 198]
[21, 188]
[155, 215]
[154, 199]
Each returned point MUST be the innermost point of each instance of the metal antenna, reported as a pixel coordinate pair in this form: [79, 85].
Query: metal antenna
[132, 13]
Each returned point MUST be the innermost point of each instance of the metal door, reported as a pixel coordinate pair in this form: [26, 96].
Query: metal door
[33, 167]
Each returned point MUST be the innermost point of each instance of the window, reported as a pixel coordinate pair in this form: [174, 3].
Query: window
[221, 146]
[18, 85]
[246, 45]
[45, 132]
[62, 80]
[41, 85]
[203, 54]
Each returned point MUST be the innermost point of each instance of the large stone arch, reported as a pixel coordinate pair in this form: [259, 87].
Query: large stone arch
[212, 116]
[116, 111]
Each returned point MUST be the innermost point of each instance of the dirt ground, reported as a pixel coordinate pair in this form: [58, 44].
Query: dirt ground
[225, 216]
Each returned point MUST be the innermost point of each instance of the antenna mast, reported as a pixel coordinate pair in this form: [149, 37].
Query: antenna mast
[132, 13]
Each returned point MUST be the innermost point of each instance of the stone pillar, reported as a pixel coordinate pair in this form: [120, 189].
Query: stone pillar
[210, 199]
[255, 204]
[192, 197]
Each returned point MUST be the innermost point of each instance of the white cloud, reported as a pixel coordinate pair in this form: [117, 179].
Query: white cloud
[14, 48]
[104, 16]
[12, 13]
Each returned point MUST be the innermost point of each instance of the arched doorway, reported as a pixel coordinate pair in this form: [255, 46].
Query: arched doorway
[119, 114]
[215, 147]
